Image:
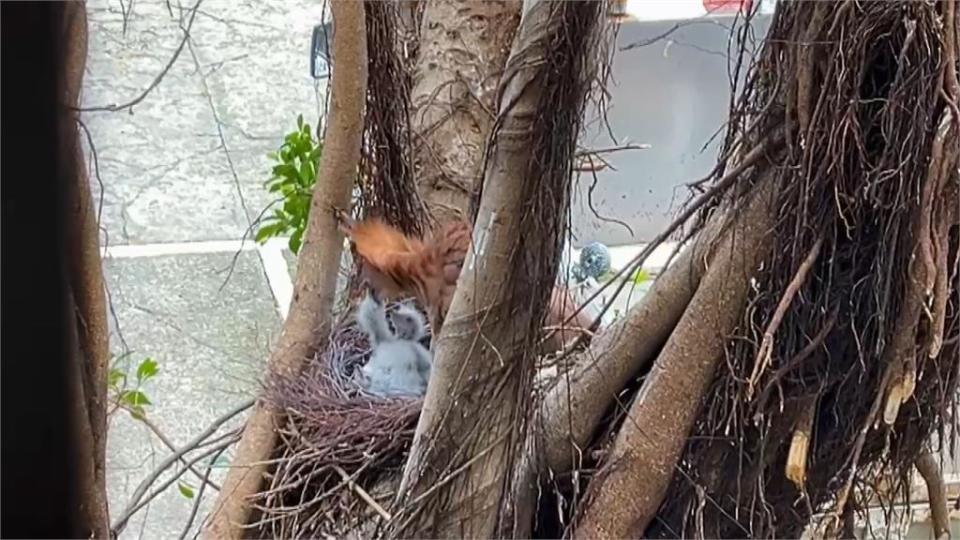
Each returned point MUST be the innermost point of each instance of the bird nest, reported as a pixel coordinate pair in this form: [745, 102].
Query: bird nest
[340, 449]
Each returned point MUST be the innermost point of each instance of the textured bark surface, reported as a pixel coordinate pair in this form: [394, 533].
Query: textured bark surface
[626, 493]
[475, 411]
[571, 410]
[308, 324]
[89, 340]
[462, 50]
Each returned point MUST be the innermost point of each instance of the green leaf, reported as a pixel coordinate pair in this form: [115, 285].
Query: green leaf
[134, 398]
[641, 276]
[286, 171]
[303, 207]
[295, 241]
[294, 173]
[268, 231]
[185, 489]
[290, 206]
[148, 368]
[306, 173]
[116, 377]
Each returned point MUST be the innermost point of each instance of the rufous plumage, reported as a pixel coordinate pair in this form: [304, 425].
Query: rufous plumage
[395, 265]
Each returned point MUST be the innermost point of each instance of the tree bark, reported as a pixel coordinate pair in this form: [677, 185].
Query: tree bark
[89, 339]
[462, 50]
[624, 496]
[308, 324]
[473, 421]
[571, 410]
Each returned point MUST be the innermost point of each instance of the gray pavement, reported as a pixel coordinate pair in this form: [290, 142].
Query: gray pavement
[184, 169]
[210, 344]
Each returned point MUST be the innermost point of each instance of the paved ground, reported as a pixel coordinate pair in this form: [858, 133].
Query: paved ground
[182, 175]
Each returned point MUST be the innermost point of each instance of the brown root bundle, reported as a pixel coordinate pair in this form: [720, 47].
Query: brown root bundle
[845, 363]
[387, 188]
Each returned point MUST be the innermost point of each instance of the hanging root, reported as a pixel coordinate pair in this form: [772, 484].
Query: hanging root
[387, 188]
[929, 469]
[796, 469]
[844, 360]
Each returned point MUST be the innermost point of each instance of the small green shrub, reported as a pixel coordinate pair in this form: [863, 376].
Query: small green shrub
[641, 276]
[293, 177]
[132, 400]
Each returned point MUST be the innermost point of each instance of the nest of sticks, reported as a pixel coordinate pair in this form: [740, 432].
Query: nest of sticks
[340, 450]
[337, 446]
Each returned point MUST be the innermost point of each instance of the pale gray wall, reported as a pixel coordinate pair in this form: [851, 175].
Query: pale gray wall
[672, 94]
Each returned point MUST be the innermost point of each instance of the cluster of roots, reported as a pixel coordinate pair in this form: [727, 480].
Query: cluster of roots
[846, 361]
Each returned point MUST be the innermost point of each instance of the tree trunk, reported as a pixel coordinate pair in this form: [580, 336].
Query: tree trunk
[308, 324]
[624, 498]
[474, 418]
[89, 341]
[462, 50]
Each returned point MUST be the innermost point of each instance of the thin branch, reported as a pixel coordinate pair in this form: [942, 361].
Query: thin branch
[199, 497]
[158, 78]
[133, 507]
[610, 150]
[766, 348]
[362, 493]
[229, 269]
[718, 187]
[169, 444]
[666, 34]
[174, 457]
[96, 166]
[804, 353]
[593, 186]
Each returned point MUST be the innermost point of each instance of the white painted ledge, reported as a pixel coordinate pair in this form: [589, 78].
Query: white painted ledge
[271, 258]
[176, 248]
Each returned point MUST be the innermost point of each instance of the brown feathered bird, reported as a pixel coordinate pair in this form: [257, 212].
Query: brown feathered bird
[395, 265]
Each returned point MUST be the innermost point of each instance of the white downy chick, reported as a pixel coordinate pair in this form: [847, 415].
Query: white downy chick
[399, 365]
